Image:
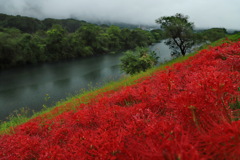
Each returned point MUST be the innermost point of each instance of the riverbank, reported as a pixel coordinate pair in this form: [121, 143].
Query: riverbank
[33, 86]
[180, 112]
[86, 96]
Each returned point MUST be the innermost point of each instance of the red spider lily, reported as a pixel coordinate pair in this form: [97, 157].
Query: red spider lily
[183, 112]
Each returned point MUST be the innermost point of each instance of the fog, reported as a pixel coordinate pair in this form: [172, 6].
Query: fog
[204, 13]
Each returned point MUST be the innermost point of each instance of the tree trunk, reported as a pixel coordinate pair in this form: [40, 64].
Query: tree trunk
[182, 51]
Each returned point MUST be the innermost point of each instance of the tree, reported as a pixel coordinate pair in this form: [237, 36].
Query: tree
[9, 47]
[139, 60]
[125, 38]
[25, 24]
[88, 34]
[114, 33]
[178, 31]
[214, 34]
[55, 42]
[157, 34]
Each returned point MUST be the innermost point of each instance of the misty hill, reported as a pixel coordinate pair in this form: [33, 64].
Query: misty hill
[25, 40]
[126, 25]
[31, 25]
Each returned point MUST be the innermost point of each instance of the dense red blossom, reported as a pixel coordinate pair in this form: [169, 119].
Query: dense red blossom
[183, 112]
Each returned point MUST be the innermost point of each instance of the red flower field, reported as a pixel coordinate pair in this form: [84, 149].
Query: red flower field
[188, 111]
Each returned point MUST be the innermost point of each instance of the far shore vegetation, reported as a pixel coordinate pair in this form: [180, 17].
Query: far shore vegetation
[26, 40]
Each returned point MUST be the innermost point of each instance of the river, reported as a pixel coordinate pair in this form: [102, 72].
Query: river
[30, 86]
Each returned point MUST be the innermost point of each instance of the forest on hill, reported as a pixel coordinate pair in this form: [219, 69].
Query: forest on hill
[26, 40]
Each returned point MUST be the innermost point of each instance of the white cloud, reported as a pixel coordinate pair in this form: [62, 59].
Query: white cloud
[204, 13]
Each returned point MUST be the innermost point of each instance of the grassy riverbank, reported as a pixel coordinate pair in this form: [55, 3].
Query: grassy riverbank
[21, 116]
[185, 109]
[72, 102]
[189, 110]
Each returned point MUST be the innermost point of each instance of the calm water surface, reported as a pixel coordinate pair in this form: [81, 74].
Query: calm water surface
[28, 86]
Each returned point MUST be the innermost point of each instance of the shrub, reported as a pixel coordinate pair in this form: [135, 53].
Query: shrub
[139, 60]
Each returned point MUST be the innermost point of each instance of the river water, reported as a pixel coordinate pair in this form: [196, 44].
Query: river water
[30, 86]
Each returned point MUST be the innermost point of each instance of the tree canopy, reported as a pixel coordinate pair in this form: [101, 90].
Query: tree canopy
[139, 60]
[213, 34]
[54, 40]
[178, 31]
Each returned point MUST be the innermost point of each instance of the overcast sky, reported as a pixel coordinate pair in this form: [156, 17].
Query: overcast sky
[204, 13]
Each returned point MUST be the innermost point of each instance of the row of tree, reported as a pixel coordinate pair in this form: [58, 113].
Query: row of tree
[32, 25]
[26, 40]
[18, 48]
[181, 36]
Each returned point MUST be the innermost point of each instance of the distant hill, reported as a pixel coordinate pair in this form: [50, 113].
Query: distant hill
[126, 25]
[25, 24]
[31, 25]
[71, 25]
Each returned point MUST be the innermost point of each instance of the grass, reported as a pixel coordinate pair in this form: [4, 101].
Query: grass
[71, 103]
[232, 38]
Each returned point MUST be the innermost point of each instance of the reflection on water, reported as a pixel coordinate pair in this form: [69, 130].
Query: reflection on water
[28, 86]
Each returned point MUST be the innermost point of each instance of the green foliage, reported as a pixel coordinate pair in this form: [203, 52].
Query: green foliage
[55, 43]
[212, 34]
[85, 96]
[139, 60]
[157, 34]
[227, 39]
[114, 34]
[55, 40]
[8, 44]
[178, 31]
[32, 25]
[71, 25]
[25, 24]
[235, 37]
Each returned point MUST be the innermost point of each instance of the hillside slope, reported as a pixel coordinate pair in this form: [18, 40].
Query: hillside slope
[189, 111]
